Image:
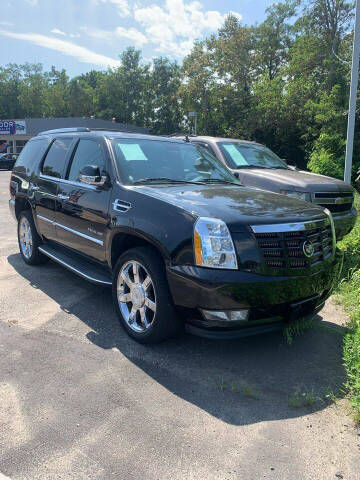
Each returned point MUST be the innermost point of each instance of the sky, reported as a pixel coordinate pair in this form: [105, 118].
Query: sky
[80, 35]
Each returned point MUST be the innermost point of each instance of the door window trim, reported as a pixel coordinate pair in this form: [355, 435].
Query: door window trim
[66, 158]
[97, 140]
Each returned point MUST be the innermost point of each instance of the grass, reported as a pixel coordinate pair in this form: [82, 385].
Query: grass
[349, 296]
[295, 400]
[306, 399]
[250, 392]
[295, 328]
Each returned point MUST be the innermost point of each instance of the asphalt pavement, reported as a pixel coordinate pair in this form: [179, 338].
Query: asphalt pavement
[80, 400]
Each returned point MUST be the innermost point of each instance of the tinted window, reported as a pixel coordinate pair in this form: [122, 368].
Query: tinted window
[88, 152]
[55, 159]
[31, 154]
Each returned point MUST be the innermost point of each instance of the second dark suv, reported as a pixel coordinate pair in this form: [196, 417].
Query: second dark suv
[257, 166]
[174, 234]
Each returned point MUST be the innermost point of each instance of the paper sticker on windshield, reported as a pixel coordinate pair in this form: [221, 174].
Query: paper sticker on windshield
[132, 151]
[235, 155]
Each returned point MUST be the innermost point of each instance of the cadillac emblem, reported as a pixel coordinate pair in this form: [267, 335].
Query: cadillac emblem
[308, 248]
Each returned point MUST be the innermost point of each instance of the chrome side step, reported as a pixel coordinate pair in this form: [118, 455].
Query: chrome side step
[78, 265]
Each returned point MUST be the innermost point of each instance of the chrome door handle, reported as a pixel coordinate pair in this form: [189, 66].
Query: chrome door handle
[35, 187]
[63, 197]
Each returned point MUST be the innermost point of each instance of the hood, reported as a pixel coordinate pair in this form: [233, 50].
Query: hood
[237, 206]
[281, 179]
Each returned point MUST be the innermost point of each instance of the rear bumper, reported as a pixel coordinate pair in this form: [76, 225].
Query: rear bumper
[344, 223]
[271, 300]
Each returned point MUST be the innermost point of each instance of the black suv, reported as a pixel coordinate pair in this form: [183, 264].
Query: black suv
[173, 232]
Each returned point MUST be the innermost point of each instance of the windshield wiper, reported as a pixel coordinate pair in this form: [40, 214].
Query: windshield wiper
[280, 167]
[219, 180]
[252, 165]
[164, 179]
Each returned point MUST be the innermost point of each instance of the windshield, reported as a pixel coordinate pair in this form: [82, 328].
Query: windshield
[156, 161]
[242, 155]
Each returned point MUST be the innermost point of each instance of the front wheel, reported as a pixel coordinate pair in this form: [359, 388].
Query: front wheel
[142, 297]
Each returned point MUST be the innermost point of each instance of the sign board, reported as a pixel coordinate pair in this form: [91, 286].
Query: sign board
[12, 127]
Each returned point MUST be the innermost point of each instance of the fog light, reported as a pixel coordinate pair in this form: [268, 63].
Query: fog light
[226, 315]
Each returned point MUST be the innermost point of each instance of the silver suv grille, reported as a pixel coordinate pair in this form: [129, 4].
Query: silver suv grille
[340, 202]
[295, 248]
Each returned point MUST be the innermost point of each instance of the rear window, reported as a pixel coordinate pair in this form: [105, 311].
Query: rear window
[54, 163]
[31, 155]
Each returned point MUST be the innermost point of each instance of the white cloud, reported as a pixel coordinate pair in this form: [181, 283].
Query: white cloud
[58, 32]
[74, 35]
[67, 48]
[6, 24]
[132, 34]
[33, 3]
[123, 7]
[175, 26]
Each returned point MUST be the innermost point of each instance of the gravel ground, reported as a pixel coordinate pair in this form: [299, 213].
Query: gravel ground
[80, 400]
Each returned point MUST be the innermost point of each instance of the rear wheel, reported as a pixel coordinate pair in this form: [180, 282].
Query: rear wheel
[29, 240]
[142, 298]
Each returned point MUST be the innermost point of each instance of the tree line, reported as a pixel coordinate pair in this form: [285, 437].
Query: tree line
[283, 82]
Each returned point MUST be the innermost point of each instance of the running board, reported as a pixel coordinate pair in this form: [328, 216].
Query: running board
[74, 262]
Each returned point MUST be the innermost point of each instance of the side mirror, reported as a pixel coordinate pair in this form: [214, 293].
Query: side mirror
[90, 174]
[236, 174]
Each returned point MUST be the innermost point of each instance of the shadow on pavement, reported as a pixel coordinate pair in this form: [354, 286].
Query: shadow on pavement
[239, 381]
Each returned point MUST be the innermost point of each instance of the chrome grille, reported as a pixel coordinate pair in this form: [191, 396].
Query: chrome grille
[336, 202]
[283, 247]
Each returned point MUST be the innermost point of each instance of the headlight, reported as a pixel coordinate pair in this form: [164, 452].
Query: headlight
[213, 244]
[300, 195]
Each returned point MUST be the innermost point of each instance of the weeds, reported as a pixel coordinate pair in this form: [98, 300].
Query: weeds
[349, 296]
[250, 392]
[296, 328]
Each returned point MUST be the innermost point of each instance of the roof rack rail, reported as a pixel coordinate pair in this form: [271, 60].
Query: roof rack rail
[65, 130]
[181, 134]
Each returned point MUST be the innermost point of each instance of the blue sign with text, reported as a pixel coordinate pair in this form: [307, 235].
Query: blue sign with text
[7, 127]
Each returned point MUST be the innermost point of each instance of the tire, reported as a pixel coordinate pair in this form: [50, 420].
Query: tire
[146, 311]
[29, 240]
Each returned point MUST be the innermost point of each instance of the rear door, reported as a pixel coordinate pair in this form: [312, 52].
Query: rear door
[45, 186]
[82, 210]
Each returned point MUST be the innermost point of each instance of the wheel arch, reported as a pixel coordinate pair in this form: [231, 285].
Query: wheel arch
[123, 240]
[21, 204]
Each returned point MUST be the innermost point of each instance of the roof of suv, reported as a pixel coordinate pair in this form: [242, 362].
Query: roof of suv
[205, 138]
[108, 134]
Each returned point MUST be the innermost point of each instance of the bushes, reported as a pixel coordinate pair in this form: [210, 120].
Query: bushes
[327, 156]
[349, 292]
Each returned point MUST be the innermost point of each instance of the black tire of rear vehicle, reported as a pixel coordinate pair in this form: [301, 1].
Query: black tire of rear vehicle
[37, 258]
[167, 323]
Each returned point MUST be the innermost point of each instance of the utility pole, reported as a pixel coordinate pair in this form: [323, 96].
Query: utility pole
[353, 95]
[194, 116]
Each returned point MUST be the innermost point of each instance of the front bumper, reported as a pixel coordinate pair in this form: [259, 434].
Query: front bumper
[344, 223]
[271, 300]
[12, 208]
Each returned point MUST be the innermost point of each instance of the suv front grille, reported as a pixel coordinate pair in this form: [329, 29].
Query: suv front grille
[338, 202]
[285, 250]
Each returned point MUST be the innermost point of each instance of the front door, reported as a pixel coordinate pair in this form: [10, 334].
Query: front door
[82, 209]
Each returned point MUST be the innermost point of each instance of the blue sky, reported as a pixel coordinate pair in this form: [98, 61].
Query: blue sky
[80, 35]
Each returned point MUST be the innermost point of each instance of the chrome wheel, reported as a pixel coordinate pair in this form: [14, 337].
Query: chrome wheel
[136, 296]
[25, 236]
